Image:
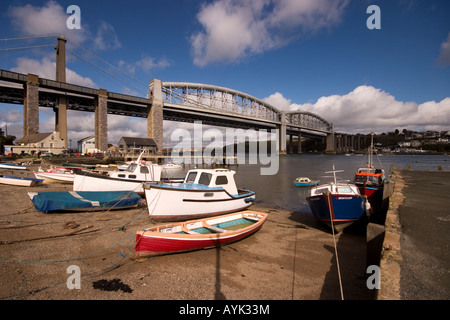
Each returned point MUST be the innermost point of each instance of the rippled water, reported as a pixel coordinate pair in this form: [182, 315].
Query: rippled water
[278, 191]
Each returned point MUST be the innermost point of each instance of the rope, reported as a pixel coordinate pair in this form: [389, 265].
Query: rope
[335, 247]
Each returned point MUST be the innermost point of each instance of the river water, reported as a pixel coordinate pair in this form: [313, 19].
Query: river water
[278, 191]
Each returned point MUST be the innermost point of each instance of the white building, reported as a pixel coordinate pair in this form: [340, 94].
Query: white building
[86, 145]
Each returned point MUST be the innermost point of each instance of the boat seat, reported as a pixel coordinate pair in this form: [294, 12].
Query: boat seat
[216, 229]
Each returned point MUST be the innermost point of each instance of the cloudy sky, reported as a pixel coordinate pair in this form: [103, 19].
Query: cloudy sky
[313, 55]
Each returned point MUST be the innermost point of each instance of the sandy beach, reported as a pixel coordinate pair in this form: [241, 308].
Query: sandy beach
[291, 257]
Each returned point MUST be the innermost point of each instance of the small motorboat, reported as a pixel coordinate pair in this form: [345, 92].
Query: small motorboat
[130, 179]
[20, 181]
[204, 193]
[337, 204]
[12, 166]
[61, 174]
[305, 182]
[371, 181]
[198, 234]
[83, 201]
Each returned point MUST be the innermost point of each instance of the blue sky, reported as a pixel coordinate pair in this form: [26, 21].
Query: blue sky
[313, 55]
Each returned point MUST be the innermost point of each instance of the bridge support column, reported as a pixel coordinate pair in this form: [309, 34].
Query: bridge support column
[31, 106]
[331, 142]
[291, 147]
[282, 134]
[61, 108]
[155, 115]
[101, 121]
[299, 143]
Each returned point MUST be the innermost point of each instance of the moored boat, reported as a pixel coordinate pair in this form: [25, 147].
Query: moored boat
[20, 181]
[337, 204]
[61, 174]
[371, 181]
[305, 182]
[12, 166]
[83, 201]
[204, 193]
[198, 234]
[130, 179]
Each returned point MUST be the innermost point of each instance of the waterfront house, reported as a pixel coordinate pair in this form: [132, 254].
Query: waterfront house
[131, 145]
[39, 143]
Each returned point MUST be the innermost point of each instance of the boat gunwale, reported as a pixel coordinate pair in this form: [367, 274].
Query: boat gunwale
[149, 233]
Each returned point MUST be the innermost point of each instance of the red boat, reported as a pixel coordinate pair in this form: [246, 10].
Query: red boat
[198, 234]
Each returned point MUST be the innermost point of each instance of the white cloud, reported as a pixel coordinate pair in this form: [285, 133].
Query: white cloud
[235, 29]
[46, 68]
[50, 19]
[444, 57]
[368, 109]
[106, 38]
[146, 64]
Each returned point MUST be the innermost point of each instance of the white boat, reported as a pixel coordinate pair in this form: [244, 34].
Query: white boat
[204, 193]
[60, 174]
[12, 166]
[171, 166]
[19, 181]
[129, 180]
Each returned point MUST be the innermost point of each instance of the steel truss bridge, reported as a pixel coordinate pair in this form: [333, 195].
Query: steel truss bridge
[181, 101]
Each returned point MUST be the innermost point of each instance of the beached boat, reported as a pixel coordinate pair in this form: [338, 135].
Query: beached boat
[61, 174]
[371, 181]
[204, 193]
[12, 166]
[305, 182]
[19, 181]
[83, 201]
[337, 204]
[198, 234]
[130, 179]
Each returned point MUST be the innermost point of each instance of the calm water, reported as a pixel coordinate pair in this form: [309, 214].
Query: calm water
[278, 191]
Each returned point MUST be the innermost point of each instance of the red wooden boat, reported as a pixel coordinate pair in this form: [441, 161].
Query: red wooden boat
[198, 234]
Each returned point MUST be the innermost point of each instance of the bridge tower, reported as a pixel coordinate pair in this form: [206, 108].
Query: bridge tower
[155, 114]
[61, 108]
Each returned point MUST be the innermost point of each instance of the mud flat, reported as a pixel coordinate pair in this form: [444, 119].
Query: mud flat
[291, 258]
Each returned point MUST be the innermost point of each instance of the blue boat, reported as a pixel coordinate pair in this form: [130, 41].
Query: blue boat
[305, 182]
[84, 200]
[338, 205]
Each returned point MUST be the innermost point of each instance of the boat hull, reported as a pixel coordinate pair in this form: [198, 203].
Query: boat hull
[170, 203]
[153, 241]
[55, 177]
[12, 166]
[337, 210]
[96, 182]
[20, 181]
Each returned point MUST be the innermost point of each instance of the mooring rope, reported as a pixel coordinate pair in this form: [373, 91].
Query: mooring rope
[328, 194]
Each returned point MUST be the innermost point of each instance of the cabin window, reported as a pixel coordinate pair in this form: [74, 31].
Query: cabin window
[191, 177]
[121, 175]
[131, 167]
[205, 178]
[144, 170]
[220, 180]
[132, 176]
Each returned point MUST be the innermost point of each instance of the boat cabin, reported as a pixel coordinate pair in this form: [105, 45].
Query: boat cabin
[369, 176]
[339, 188]
[139, 171]
[213, 178]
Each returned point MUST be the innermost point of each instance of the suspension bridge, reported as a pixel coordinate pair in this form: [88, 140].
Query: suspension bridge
[175, 101]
